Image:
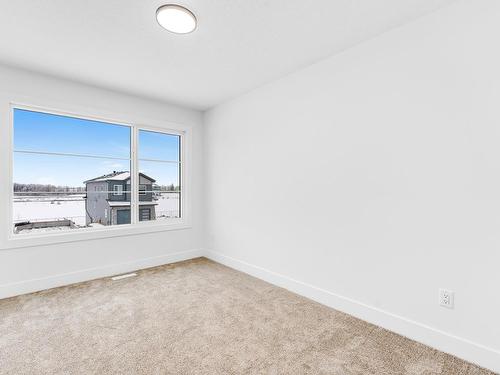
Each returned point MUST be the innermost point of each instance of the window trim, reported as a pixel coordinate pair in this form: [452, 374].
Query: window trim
[118, 192]
[10, 240]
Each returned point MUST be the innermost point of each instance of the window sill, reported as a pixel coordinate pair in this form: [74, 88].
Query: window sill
[15, 241]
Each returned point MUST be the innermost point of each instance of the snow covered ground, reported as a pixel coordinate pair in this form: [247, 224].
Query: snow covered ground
[168, 205]
[46, 208]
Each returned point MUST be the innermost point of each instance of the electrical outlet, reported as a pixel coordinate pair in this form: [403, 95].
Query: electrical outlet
[447, 298]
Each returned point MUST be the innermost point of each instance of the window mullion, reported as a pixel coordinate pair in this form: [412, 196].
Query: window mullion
[134, 181]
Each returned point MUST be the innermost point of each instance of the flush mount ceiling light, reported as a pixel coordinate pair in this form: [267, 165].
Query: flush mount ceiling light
[176, 19]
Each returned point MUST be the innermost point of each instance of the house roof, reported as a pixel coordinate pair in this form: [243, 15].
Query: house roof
[116, 176]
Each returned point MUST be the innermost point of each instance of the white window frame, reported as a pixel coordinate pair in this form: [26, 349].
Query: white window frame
[117, 190]
[9, 239]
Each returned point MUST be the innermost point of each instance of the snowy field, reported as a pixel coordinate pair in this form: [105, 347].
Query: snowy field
[44, 208]
[72, 207]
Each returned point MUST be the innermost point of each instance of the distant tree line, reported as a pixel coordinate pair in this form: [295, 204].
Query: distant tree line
[41, 189]
[170, 187]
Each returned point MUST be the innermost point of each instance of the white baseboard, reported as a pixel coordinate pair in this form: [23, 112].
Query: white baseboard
[35, 285]
[472, 352]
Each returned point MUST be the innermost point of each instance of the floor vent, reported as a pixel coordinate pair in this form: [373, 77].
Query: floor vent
[126, 276]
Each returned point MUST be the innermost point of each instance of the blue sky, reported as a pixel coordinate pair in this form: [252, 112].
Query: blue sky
[43, 132]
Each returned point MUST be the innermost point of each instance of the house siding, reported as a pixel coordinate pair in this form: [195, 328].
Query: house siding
[96, 204]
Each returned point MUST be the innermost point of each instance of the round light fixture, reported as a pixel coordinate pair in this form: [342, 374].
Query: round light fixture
[176, 19]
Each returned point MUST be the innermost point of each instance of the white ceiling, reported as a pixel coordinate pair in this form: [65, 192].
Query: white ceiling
[239, 44]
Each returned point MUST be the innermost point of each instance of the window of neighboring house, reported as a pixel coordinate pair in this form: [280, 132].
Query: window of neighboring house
[56, 157]
[118, 190]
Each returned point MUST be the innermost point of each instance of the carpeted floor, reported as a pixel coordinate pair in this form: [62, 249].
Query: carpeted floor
[199, 317]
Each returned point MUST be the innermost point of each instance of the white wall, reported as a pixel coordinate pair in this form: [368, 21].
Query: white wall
[34, 268]
[372, 178]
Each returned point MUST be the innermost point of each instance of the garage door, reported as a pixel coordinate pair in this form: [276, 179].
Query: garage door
[144, 214]
[123, 217]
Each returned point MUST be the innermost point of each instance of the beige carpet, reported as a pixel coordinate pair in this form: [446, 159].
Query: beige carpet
[198, 317]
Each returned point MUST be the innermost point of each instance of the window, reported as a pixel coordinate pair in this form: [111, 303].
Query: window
[118, 190]
[71, 174]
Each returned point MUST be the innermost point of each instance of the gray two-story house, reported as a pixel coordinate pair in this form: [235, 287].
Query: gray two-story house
[107, 201]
